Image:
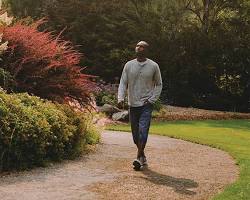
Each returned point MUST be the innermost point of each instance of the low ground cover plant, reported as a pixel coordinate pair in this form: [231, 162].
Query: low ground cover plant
[174, 113]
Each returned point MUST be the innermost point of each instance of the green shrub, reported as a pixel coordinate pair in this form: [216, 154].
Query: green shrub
[6, 80]
[157, 105]
[105, 97]
[34, 131]
[107, 93]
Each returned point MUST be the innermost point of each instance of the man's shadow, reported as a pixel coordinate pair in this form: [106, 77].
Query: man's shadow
[180, 185]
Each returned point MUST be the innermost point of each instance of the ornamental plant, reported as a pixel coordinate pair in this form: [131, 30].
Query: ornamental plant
[34, 131]
[4, 21]
[45, 65]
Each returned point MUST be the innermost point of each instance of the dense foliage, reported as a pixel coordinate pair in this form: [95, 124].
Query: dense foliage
[34, 131]
[202, 47]
[44, 65]
[7, 80]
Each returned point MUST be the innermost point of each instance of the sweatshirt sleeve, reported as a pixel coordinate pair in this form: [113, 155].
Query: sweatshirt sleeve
[158, 85]
[123, 85]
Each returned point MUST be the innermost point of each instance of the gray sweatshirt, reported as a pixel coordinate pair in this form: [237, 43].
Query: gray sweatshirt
[143, 81]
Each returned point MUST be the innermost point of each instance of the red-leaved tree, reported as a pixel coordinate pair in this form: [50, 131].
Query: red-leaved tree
[44, 65]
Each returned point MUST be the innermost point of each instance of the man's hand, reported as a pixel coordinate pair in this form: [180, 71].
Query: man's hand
[121, 105]
[146, 102]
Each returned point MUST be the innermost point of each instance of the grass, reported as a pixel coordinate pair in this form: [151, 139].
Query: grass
[232, 136]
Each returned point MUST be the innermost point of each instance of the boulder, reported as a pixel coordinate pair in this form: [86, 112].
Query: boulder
[108, 109]
[120, 116]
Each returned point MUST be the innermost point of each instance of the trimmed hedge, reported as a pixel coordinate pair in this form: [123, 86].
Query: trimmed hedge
[34, 131]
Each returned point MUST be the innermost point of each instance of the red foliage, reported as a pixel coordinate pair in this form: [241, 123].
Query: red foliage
[44, 65]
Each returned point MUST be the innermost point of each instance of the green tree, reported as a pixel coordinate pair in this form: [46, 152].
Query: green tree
[202, 46]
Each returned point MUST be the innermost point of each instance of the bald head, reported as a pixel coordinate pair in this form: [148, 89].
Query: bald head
[143, 43]
[141, 49]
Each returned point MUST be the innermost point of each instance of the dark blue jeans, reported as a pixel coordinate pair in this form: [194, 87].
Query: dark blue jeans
[140, 118]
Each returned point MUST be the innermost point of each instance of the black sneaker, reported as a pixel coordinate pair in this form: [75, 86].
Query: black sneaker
[137, 164]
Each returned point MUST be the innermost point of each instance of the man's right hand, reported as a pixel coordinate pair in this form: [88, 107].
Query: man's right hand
[121, 105]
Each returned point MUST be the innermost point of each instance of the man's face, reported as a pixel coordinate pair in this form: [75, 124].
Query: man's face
[140, 49]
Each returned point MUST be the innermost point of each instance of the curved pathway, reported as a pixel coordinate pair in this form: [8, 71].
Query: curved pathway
[177, 170]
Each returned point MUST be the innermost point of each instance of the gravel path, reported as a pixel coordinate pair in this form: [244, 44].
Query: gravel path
[177, 170]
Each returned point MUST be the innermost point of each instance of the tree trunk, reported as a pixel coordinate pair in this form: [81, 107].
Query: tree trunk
[205, 23]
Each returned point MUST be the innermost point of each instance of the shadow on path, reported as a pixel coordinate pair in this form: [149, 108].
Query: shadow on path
[180, 185]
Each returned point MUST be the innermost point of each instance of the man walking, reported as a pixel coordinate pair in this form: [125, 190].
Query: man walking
[142, 78]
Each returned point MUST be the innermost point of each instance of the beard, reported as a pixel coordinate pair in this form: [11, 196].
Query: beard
[140, 54]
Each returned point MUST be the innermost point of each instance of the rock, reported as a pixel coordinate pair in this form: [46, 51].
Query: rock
[120, 116]
[108, 109]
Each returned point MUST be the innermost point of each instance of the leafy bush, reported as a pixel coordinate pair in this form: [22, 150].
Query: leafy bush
[105, 97]
[6, 80]
[157, 105]
[44, 65]
[34, 131]
[107, 94]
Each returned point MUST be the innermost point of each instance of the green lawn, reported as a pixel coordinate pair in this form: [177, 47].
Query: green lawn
[232, 136]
